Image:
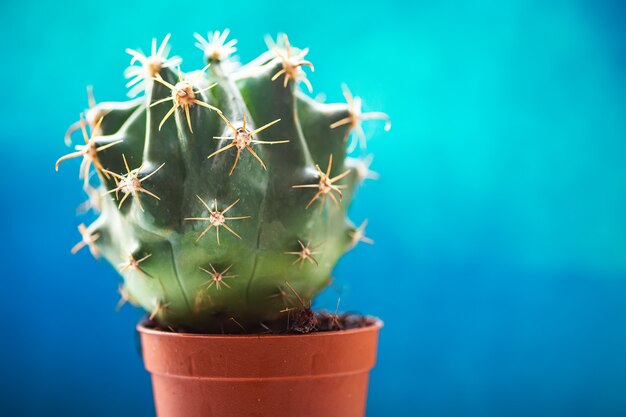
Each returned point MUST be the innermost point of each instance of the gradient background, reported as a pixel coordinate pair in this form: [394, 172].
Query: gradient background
[500, 218]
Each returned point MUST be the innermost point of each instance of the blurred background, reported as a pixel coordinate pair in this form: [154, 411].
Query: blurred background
[499, 218]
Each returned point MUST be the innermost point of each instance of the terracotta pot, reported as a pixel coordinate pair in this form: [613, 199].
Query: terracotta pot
[310, 375]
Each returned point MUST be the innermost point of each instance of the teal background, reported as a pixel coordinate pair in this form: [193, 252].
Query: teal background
[499, 219]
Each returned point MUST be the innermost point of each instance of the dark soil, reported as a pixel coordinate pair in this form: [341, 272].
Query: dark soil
[297, 321]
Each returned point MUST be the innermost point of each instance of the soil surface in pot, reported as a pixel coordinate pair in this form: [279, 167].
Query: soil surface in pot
[297, 321]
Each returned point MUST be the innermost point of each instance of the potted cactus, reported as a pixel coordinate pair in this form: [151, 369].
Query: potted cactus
[222, 196]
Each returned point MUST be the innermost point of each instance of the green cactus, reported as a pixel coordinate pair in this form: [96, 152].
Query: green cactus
[226, 189]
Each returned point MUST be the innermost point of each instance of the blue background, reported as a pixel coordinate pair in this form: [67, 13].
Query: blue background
[500, 217]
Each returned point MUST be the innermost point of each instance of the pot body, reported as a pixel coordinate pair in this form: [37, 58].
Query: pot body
[310, 375]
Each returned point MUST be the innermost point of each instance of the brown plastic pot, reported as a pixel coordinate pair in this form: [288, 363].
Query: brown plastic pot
[310, 375]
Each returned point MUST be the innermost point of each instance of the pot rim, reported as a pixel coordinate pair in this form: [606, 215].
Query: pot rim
[377, 324]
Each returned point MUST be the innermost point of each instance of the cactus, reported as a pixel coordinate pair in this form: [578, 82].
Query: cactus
[222, 193]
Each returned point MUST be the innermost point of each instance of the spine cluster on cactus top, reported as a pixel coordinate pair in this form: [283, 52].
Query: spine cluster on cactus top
[194, 156]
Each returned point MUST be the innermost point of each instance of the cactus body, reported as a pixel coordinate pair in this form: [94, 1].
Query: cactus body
[167, 179]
